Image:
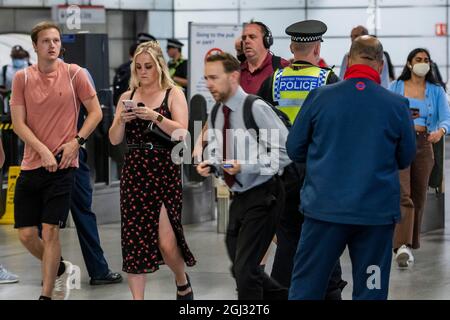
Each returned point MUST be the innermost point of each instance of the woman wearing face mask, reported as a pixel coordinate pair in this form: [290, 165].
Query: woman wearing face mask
[431, 114]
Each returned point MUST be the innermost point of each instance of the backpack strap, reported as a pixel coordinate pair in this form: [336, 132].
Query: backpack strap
[276, 62]
[249, 119]
[4, 69]
[214, 114]
[75, 74]
[73, 91]
[26, 75]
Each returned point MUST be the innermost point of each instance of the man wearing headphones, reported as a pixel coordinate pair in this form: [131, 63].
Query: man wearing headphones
[260, 63]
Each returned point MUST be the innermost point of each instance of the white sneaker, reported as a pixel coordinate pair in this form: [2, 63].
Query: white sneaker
[7, 277]
[61, 291]
[404, 257]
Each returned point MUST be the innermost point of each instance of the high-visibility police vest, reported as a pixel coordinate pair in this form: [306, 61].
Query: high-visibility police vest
[173, 65]
[291, 86]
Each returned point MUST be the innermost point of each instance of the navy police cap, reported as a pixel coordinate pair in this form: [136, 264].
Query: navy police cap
[307, 31]
[174, 43]
[144, 37]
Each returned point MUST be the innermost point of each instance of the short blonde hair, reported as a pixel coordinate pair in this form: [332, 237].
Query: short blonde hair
[154, 50]
[41, 26]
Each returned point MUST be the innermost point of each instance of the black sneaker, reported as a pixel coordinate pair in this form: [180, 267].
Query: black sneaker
[111, 277]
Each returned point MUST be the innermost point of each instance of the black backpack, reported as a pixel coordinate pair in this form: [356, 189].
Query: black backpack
[249, 120]
[293, 174]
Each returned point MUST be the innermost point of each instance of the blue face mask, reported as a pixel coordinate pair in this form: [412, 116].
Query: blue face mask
[19, 63]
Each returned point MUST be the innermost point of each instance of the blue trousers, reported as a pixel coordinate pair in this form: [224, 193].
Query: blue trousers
[86, 221]
[288, 235]
[320, 246]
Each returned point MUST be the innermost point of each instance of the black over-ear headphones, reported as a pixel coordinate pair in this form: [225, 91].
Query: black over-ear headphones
[267, 38]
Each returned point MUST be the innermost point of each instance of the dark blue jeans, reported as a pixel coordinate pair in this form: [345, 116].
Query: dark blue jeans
[86, 221]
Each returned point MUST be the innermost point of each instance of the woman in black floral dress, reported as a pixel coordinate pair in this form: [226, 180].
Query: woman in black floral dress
[150, 185]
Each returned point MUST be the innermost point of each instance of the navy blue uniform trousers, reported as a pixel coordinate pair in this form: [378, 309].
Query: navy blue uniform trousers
[320, 246]
[288, 235]
[86, 221]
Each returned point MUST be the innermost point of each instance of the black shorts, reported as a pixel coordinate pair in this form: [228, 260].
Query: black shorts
[42, 197]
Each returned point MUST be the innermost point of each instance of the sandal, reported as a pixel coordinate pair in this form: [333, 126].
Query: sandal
[187, 296]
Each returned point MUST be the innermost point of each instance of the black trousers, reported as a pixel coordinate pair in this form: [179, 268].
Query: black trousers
[288, 235]
[253, 219]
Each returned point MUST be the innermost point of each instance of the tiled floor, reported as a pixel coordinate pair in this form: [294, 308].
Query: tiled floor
[428, 279]
[211, 279]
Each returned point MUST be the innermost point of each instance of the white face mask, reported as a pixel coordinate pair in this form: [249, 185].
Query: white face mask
[421, 69]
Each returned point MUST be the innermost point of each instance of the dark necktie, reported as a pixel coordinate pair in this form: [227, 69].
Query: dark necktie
[229, 179]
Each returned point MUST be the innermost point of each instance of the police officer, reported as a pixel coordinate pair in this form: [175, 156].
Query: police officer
[177, 65]
[287, 89]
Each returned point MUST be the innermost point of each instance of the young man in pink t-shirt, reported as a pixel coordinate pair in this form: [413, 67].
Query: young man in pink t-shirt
[45, 104]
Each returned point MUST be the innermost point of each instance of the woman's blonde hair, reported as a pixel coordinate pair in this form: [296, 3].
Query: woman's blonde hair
[154, 50]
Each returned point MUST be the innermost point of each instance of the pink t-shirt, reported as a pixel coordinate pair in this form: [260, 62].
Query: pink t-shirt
[52, 106]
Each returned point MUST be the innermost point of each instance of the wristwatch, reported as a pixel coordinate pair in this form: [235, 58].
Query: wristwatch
[444, 131]
[80, 140]
[159, 118]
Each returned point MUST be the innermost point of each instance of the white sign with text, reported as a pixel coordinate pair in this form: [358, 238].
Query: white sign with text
[204, 40]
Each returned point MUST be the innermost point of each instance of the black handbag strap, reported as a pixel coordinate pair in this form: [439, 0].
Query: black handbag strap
[165, 103]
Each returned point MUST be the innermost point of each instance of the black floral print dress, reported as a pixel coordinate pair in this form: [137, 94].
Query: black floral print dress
[149, 180]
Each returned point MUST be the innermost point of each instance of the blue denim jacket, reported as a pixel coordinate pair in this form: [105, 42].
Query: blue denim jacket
[437, 105]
